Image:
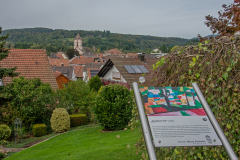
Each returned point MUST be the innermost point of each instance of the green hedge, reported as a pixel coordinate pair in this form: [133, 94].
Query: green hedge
[39, 130]
[78, 119]
[5, 132]
[215, 66]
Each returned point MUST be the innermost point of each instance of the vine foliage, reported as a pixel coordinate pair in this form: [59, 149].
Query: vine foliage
[215, 66]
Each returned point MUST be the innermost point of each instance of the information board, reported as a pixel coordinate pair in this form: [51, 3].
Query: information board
[177, 118]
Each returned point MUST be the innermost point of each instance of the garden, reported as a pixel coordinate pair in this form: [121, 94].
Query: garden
[82, 120]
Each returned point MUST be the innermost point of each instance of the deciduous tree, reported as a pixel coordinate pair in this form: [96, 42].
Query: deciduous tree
[228, 21]
[71, 53]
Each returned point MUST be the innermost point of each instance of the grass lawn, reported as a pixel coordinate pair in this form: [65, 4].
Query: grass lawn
[86, 143]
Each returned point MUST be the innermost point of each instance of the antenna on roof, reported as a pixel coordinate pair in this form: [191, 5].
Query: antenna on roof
[36, 63]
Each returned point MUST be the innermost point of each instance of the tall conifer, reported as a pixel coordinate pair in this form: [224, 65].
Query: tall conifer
[10, 72]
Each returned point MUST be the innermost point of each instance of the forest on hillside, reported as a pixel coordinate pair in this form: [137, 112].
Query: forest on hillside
[57, 40]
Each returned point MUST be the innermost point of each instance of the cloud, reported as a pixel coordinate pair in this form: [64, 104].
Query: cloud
[163, 18]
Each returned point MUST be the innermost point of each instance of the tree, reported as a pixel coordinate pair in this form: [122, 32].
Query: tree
[71, 53]
[4, 72]
[228, 21]
[31, 98]
[95, 83]
[164, 48]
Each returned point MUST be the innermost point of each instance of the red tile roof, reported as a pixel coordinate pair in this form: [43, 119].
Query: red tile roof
[57, 74]
[132, 55]
[59, 62]
[99, 55]
[78, 70]
[60, 55]
[81, 60]
[31, 63]
[115, 52]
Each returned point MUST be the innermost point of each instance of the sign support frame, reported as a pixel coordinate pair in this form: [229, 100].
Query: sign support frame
[215, 124]
[144, 123]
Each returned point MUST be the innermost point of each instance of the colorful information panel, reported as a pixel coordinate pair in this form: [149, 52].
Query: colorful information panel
[177, 118]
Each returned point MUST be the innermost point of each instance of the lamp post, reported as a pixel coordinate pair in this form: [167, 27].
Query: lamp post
[1, 82]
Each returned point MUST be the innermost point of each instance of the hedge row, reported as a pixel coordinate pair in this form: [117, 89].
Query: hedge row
[215, 66]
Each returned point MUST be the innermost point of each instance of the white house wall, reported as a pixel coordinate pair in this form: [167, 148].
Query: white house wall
[108, 75]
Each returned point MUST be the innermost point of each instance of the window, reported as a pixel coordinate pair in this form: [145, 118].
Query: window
[116, 75]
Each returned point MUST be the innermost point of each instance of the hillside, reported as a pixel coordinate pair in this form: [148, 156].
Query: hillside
[98, 41]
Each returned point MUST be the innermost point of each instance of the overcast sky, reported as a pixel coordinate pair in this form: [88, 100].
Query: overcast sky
[163, 18]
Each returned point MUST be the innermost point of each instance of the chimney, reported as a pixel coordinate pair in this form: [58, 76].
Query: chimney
[141, 57]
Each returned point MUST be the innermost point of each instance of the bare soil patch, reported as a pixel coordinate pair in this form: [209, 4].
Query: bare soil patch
[33, 143]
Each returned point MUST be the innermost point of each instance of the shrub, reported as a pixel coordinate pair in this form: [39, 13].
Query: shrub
[76, 97]
[39, 130]
[113, 107]
[5, 132]
[78, 119]
[60, 120]
[31, 100]
[95, 83]
[2, 155]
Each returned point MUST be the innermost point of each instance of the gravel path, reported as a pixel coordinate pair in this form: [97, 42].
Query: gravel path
[4, 149]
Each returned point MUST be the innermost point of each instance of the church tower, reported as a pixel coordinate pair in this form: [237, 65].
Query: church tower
[78, 44]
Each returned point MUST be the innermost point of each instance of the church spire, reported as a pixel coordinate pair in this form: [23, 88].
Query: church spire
[78, 36]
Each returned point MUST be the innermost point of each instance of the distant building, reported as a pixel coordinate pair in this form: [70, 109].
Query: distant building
[83, 51]
[78, 44]
[114, 52]
[58, 55]
[158, 55]
[156, 50]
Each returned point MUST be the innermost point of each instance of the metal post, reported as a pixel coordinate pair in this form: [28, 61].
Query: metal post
[145, 128]
[215, 124]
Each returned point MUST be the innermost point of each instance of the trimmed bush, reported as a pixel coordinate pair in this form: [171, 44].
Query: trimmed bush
[78, 119]
[113, 107]
[39, 130]
[5, 132]
[60, 120]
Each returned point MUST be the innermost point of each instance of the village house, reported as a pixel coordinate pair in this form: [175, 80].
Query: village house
[127, 70]
[78, 70]
[61, 79]
[80, 61]
[90, 69]
[66, 71]
[58, 55]
[131, 55]
[31, 63]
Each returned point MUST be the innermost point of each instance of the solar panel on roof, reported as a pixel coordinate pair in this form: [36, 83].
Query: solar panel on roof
[143, 69]
[136, 69]
[129, 68]
[93, 72]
